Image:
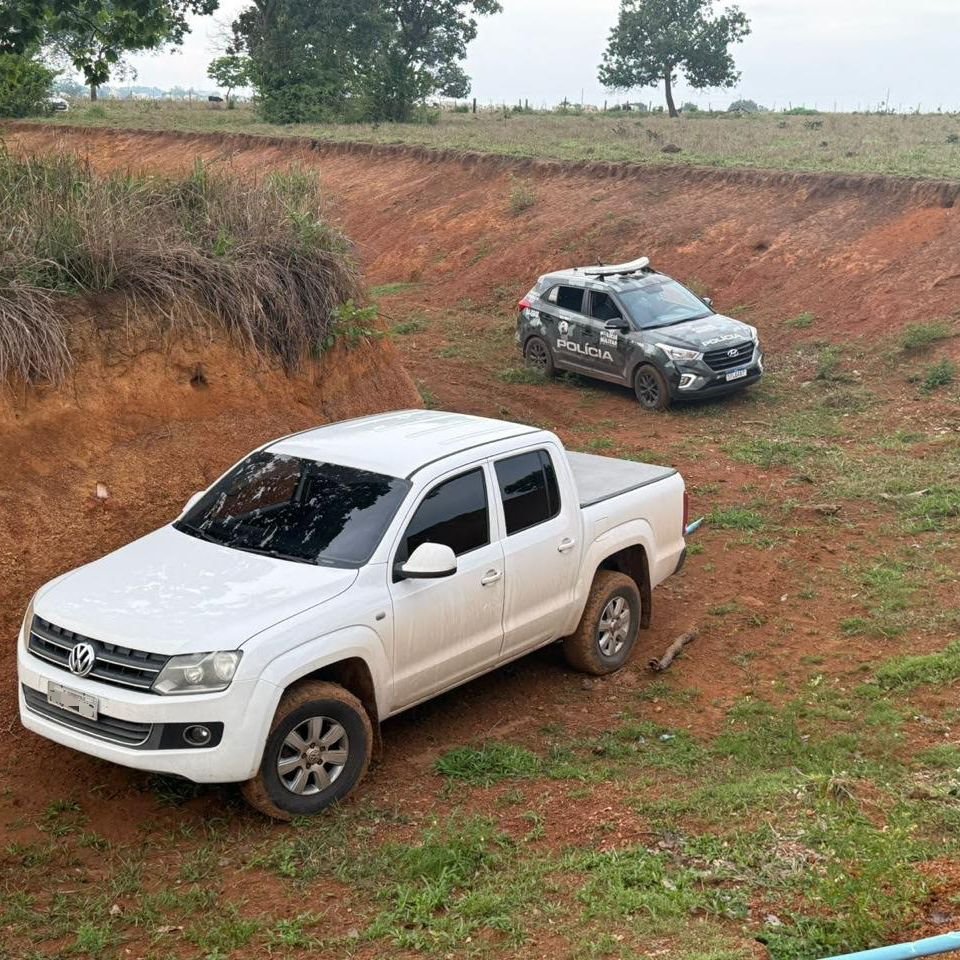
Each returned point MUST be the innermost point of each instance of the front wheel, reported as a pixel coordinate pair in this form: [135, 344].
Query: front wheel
[537, 354]
[318, 750]
[609, 625]
[651, 389]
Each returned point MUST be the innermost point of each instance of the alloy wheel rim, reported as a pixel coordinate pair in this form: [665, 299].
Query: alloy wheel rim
[614, 627]
[537, 354]
[648, 390]
[312, 755]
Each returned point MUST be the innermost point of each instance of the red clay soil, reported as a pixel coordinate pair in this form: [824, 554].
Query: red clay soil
[868, 254]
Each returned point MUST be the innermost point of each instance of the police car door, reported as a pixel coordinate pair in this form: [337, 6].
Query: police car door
[564, 306]
[605, 329]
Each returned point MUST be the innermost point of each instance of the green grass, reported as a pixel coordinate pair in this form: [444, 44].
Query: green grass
[919, 336]
[912, 670]
[907, 145]
[527, 376]
[489, 764]
[802, 321]
[735, 518]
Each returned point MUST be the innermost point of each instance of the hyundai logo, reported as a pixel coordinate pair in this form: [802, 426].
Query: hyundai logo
[82, 658]
[735, 352]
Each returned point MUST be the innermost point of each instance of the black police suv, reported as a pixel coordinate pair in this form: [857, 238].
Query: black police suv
[630, 324]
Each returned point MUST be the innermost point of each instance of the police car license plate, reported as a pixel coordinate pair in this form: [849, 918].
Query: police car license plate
[81, 704]
[737, 375]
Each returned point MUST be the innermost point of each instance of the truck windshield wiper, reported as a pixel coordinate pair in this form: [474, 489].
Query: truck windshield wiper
[198, 533]
[260, 551]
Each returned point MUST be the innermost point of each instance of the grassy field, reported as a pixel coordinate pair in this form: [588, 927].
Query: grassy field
[910, 145]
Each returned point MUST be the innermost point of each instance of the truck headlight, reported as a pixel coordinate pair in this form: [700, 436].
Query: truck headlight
[198, 673]
[678, 353]
[27, 623]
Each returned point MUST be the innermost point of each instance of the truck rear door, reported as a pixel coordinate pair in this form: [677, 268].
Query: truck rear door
[541, 529]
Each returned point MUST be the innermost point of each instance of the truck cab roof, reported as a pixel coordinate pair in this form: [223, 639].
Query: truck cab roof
[398, 444]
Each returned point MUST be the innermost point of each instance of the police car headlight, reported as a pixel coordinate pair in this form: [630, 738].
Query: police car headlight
[198, 673]
[679, 354]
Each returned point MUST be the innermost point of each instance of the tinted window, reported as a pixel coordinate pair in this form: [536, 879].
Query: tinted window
[454, 513]
[528, 487]
[602, 307]
[570, 298]
[296, 509]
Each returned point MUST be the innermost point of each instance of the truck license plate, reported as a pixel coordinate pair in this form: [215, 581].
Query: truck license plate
[81, 704]
[737, 375]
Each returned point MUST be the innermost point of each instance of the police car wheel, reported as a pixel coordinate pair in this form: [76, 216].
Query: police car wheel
[537, 354]
[651, 389]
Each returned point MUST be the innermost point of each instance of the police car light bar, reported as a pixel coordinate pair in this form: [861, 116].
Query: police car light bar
[615, 269]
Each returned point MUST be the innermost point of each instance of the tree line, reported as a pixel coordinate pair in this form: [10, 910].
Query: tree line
[346, 60]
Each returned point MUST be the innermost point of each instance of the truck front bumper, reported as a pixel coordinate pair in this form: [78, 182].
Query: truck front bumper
[146, 731]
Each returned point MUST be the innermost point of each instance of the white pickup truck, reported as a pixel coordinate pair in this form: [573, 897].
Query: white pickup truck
[334, 578]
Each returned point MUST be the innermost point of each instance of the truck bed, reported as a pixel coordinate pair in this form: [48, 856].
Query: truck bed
[600, 478]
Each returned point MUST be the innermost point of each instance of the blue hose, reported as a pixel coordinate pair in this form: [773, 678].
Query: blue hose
[927, 947]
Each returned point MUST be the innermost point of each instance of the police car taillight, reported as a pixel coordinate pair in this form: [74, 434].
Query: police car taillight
[525, 304]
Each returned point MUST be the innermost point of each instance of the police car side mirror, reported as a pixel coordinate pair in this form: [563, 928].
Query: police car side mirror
[618, 323]
[708, 301]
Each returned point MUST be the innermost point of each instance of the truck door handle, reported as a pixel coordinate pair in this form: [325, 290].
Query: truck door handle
[491, 576]
[566, 545]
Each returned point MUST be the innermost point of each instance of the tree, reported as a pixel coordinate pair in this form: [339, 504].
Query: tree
[420, 57]
[309, 59]
[229, 72]
[24, 85]
[95, 34]
[356, 59]
[656, 40]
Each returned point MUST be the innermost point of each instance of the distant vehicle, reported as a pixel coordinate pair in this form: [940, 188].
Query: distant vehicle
[213, 98]
[629, 324]
[335, 578]
[57, 105]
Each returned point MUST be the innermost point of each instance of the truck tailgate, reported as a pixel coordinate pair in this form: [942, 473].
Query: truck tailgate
[600, 478]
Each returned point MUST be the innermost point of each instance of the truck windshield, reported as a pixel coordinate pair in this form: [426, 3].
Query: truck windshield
[662, 302]
[299, 510]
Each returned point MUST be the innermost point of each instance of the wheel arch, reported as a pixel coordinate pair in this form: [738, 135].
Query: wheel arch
[354, 675]
[632, 561]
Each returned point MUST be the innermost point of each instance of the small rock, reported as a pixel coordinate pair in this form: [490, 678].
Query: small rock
[671, 148]
[116, 910]
[102, 492]
[587, 684]
[772, 920]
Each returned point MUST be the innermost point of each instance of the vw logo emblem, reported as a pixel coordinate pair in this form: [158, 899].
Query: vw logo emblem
[735, 352]
[82, 658]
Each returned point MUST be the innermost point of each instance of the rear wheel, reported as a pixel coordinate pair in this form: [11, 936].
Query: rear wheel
[609, 625]
[651, 389]
[317, 751]
[537, 354]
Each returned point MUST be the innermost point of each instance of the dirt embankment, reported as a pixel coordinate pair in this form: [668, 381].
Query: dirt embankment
[150, 423]
[866, 255]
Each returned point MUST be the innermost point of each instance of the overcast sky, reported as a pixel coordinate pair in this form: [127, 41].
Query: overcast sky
[813, 52]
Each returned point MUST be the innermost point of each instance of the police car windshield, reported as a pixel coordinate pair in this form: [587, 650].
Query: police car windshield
[662, 302]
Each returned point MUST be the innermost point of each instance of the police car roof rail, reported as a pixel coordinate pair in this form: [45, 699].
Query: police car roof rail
[602, 271]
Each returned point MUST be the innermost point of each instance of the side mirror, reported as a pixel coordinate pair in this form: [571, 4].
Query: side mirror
[193, 501]
[618, 323]
[708, 301]
[430, 561]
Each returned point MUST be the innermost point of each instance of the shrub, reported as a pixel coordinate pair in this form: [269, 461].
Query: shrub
[745, 106]
[522, 197]
[919, 336]
[25, 86]
[937, 375]
[257, 261]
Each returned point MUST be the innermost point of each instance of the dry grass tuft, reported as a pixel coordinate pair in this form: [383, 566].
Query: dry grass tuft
[259, 261]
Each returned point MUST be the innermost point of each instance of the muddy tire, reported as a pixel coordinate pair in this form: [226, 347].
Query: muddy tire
[536, 353]
[650, 386]
[317, 751]
[609, 625]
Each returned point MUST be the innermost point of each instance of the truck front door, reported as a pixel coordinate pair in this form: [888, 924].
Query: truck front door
[448, 629]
